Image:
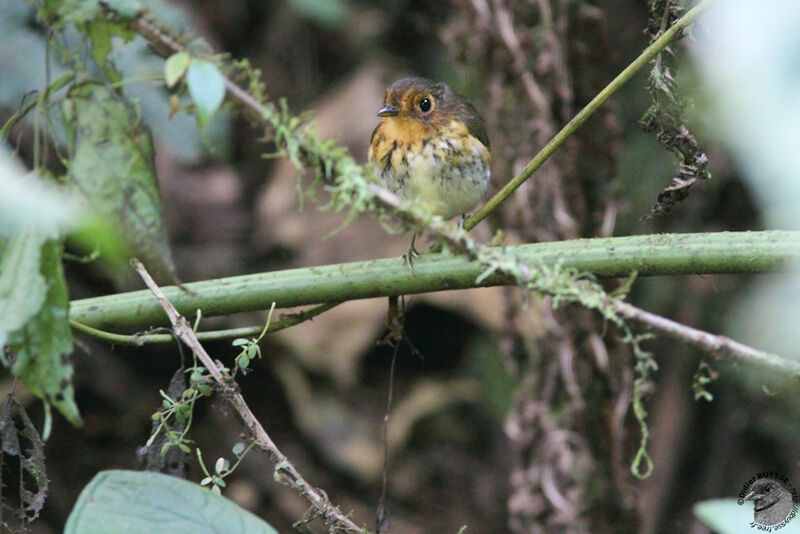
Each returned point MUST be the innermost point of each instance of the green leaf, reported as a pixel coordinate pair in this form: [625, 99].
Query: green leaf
[22, 287]
[206, 87]
[221, 465]
[175, 67]
[131, 502]
[113, 169]
[43, 345]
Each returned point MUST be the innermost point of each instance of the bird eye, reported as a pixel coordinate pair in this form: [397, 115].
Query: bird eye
[425, 105]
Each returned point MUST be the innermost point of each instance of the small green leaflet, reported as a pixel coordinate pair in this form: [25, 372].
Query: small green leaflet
[175, 67]
[206, 87]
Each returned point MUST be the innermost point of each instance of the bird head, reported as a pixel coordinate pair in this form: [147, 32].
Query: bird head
[765, 492]
[418, 99]
[421, 106]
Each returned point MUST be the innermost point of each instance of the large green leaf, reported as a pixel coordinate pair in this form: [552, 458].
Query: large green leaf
[113, 168]
[134, 502]
[41, 347]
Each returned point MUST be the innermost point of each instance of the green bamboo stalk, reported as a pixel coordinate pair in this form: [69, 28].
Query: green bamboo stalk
[650, 255]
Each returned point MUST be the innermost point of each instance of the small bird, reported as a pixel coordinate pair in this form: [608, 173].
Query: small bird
[431, 146]
[772, 503]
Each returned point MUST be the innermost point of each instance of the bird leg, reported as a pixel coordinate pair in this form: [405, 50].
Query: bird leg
[412, 253]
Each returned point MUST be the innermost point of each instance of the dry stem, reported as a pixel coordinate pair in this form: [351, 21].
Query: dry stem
[285, 471]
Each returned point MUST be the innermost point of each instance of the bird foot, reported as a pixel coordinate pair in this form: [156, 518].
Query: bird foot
[409, 257]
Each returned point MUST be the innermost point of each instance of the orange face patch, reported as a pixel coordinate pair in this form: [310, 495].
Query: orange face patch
[404, 130]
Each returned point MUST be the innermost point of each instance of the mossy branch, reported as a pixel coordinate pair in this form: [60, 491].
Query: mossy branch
[665, 254]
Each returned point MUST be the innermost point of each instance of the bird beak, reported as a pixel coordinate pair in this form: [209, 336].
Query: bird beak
[749, 496]
[388, 111]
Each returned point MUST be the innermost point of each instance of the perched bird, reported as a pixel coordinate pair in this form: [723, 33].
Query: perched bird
[431, 146]
[771, 501]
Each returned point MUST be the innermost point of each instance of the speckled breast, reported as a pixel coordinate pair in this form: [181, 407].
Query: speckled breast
[447, 172]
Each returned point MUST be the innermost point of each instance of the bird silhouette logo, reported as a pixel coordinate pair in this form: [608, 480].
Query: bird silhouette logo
[772, 502]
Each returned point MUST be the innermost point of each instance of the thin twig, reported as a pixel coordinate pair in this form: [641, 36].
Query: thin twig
[583, 115]
[285, 471]
[721, 347]
[383, 523]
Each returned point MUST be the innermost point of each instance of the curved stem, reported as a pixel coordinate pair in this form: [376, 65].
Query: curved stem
[211, 335]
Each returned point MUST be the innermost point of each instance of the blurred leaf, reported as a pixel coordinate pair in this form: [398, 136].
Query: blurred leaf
[326, 12]
[101, 31]
[22, 287]
[754, 79]
[71, 11]
[175, 67]
[77, 11]
[725, 516]
[28, 202]
[206, 87]
[42, 346]
[99, 238]
[113, 168]
[125, 8]
[131, 502]
[766, 315]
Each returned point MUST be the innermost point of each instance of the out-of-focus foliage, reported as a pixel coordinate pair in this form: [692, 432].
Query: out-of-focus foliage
[751, 68]
[33, 292]
[28, 202]
[179, 133]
